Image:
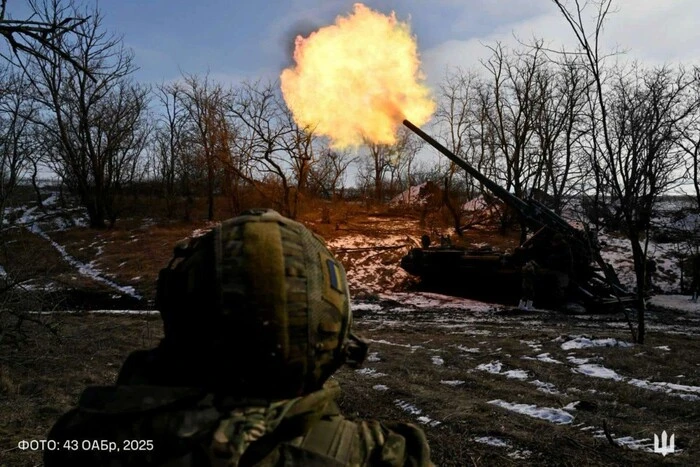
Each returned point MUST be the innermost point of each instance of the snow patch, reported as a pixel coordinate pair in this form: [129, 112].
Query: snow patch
[452, 382]
[492, 441]
[413, 410]
[644, 444]
[547, 388]
[85, 269]
[534, 345]
[413, 348]
[685, 392]
[496, 367]
[674, 302]
[380, 387]
[669, 388]
[370, 372]
[629, 442]
[425, 300]
[578, 361]
[516, 374]
[584, 342]
[98, 312]
[520, 454]
[493, 367]
[543, 357]
[557, 416]
[597, 371]
[416, 195]
[475, 204]
[437, 360]
[365, 306]
[373, 357]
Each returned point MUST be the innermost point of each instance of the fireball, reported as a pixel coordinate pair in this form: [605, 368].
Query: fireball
[356, 80]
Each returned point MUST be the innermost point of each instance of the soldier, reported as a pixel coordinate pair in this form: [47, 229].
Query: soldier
[558, 265]
[529, 275]
[256, 316]
[548, 264]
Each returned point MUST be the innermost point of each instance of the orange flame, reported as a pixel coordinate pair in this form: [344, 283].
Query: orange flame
[358, 78]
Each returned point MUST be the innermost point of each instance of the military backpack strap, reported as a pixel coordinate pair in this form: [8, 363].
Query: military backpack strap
[417, 450]
[335, 440]
[338, 441]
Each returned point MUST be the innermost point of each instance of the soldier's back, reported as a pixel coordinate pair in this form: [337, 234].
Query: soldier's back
[165, 426]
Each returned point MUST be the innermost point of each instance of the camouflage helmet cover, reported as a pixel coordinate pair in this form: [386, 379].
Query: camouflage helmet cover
[263, 302]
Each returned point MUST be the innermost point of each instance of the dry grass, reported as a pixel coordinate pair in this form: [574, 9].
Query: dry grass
[43, 377]
[626, 410]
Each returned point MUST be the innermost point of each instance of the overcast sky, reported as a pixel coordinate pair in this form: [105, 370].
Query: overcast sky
[249, 39]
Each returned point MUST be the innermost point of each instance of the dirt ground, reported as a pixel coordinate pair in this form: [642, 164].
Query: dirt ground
[468, 375]
[429, 359]
[405, 379]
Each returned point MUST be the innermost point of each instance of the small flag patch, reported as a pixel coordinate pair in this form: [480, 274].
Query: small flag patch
[334, 275]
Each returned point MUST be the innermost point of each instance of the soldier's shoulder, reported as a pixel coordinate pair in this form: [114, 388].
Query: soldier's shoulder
[403, 443]
[142, 424]
[367, 442]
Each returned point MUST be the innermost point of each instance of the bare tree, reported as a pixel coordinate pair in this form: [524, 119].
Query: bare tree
[93, 116]
[17, 142]
[276, 146]
[647, 109]
[301, 146]
[403, 169]
[380, 158]
[559, 128]
[690, 141]
[169, 140]
[326, 177]
[41, 37]
[205, 104]
[634, 136]
[457, 117]
[511, 102]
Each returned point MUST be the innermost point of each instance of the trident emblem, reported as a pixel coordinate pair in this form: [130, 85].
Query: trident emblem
[666, 446]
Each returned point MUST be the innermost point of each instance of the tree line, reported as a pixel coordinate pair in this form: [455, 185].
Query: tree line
[535, 120]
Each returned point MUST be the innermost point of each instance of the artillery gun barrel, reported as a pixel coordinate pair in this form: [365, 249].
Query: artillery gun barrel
[496, 189]
[534, 212]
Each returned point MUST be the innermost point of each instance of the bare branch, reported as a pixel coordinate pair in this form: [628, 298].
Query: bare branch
[40, 39]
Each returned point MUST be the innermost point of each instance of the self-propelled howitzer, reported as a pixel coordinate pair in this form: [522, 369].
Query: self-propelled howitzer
[593, 282]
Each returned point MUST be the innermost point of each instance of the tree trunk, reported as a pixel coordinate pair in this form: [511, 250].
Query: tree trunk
[640, 273]
[210, 190]
[95, 215]
[35, 185]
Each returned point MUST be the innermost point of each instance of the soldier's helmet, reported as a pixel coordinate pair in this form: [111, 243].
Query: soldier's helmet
[260, 306]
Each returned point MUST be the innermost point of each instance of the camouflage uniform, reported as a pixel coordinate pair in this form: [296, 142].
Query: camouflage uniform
[558, 266]
[257, 318]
